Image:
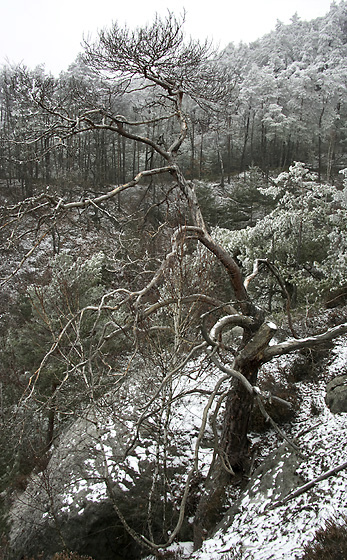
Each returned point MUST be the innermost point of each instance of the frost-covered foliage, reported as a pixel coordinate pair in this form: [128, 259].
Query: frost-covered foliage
[304, 236]
[291, 95]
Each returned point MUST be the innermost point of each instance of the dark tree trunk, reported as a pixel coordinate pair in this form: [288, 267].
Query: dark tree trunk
[243, 155]
[51, 418]
[229, 466]
[320, 143]
[232, 456]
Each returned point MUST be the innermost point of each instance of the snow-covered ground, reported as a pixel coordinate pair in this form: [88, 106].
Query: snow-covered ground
[260, 531]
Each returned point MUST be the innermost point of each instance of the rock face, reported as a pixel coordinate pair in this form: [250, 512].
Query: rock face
[272, 480]
[336, 394]
[68, 504]
[99, 467]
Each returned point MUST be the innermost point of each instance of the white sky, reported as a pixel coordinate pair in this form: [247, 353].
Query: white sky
[50, 32]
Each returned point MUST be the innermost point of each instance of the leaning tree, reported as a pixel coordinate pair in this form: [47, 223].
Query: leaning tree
[155, 65]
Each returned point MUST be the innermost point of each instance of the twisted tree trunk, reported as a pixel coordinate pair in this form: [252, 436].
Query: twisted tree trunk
[231, 461]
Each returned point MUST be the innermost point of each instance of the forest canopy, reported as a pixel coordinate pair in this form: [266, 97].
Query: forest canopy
[283, 99]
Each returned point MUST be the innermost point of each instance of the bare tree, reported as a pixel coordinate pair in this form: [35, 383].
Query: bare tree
[156, 61]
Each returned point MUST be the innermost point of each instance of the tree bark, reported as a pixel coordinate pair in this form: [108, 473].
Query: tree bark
[231, 461]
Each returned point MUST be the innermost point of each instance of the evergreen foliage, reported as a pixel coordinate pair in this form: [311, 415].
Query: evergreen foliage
[286, 101]
[329, 543]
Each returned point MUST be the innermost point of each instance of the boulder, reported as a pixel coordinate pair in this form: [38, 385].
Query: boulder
[68, 505]
[99, 467]
[272, 481]
[336, 394]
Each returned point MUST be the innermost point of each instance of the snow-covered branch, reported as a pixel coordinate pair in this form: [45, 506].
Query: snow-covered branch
[308, 342]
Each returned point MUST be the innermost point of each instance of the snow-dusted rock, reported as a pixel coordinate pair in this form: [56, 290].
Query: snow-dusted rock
[68, 505]
[271, 481]
[98, 465]
[336, 394]
[263, 525]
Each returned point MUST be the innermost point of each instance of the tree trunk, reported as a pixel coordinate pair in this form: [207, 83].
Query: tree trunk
[51, 418]
[233, 454]
[220, 160]
[243, 155]
[229, 145]
[320, 143]
[232, 460]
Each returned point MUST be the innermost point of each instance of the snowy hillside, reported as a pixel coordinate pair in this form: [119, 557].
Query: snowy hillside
[265, 529]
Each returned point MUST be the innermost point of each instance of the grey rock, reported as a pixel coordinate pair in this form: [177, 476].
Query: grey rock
[96, 469]
[336, 394]
[67, 506]
[274, 478]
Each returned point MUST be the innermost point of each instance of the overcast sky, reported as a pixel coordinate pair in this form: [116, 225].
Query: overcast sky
[50, 32]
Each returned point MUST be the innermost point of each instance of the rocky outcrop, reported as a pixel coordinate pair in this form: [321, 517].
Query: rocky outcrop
[99, 468]
[69, 506]
[336, 394]
[274, 479]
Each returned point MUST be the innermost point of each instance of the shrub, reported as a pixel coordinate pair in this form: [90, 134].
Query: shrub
[330, 542]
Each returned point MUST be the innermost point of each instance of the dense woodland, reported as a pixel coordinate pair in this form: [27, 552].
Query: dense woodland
[283, 101]
[167, 211]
